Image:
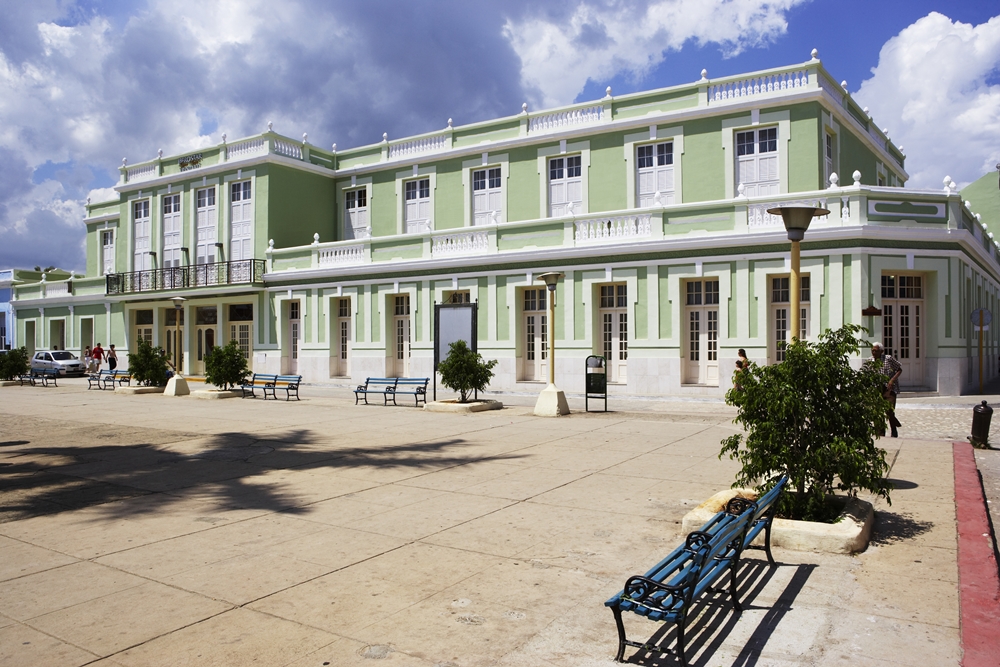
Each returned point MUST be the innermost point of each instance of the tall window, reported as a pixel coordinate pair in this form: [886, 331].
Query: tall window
[828, 155]
[205, 222]
[614, 330]
[107, 252]
[241, 220]
[565, 186]
[655, 174]
[702, 311]
[417, 212]
[780, 299]
[487, 196]
[240, 324]
[536, 335]
[356, 214]
[401, 326]
[343, 337]
[757, 161]
[171, 231]
[903, 324]
[140, 238]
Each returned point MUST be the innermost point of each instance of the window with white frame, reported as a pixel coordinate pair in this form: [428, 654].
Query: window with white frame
[655, 174]
[205, 221]
[613, 315]
[487, 196]
[171, 231]
[417, 209]
[107, 251]
[828, 155]
[356, 214]
[780, 323]
[757, 162]
[241, 220]
[565, 186]
[141, 226]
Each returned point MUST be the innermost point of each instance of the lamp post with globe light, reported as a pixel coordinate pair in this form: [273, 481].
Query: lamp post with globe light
[796, 219]
[177, 385]
[552, 401]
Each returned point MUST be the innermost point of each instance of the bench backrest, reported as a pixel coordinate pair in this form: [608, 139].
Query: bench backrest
[412, 381]
[289, 379]
[387, 381]
[264, 377]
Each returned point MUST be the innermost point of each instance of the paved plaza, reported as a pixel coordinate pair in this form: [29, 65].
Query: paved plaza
[146, 530]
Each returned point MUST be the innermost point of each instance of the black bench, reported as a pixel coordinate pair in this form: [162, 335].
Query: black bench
[416, 387]
[290, 383]
[258, 380]
[670, 588]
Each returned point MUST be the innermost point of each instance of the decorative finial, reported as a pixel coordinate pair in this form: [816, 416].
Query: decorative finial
[316, 238]
[270, 126]
[968, 204]
[335, 147]
[885, 131]
[740, 189]
[449, 123]
[815, 54]
[834, 179]
[385, 136]
[270, 245]
[900, 149]
[124, 161]
[952, 186]
[843, 84]
[946, 181]
[159, 153]
[524, 107]
[607, 91]
[704, 75]
[857, 177]
[223, 137]
[305, 137]
[867, 113]
[88, 201]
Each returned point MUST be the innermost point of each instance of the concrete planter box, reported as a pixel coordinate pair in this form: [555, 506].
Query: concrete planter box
[848, 535]
[462, 408]
[213, 394]
[131, 391]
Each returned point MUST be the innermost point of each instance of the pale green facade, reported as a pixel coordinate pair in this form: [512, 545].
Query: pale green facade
[653, 205]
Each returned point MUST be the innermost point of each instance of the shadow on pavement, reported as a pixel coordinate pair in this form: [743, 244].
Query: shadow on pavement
[892, 527]
[226, 469]
[715, 619]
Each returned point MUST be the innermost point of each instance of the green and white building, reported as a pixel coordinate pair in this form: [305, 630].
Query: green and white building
[328, 262]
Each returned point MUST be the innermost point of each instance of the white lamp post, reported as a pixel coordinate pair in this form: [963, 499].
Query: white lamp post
[552, 401]
[177, 385]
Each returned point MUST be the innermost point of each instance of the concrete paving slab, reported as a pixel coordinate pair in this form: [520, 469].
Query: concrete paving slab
[335, 548]
[246, 578]
[62, 587]
[22, 646]
[21, 559]
[430, 516]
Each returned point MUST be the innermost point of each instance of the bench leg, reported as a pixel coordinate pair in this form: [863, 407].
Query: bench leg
[767, 541]
[680, 640]
[621, 634]
[732, 583]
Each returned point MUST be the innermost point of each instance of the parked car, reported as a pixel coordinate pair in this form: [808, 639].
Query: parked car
[65, 362]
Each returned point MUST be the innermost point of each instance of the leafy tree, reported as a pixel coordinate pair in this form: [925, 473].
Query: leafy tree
[148, 364]
[226, 367]
[465, 371]
[14, 363]
[813, 418]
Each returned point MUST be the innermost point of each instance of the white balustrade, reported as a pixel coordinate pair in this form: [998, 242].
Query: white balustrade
[420, 146]
[287, 148]
[621, 228]
[758, 85]
[876, 135]
[142, 173]
[342, 256]
[463, 243]
[758, 217]
[561, 119]
[248, 148]
[56, 289]
[835, 91]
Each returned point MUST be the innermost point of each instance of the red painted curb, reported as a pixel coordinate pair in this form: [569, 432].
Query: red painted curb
[979, 584]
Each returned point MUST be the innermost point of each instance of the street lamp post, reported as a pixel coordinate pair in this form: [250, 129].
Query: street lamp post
[552, 401]
[796, 219]
[177, 385]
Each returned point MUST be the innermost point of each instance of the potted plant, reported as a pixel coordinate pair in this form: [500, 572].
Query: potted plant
[465, 372]
[148, 365]
[226, 367]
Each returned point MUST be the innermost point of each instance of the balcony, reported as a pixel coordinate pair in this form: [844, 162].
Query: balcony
[240, 272]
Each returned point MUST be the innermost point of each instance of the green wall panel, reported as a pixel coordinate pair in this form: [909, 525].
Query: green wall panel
[503, 310]
[665, 310]
[805, 160]
[449, 198]
[607, 184]
[641, 305]
[522, 184]
[703, 161]
[298, 205]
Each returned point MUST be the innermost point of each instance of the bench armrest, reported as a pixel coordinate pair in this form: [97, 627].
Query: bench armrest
[652, 594]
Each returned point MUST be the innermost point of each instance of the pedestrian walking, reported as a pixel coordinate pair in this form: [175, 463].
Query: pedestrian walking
[87, 360]
[97, 355]
[112, 358]
[887, 365]
[741, 359]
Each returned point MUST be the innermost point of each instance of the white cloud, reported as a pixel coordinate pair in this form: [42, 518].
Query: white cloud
[598, 41]
[936, 88]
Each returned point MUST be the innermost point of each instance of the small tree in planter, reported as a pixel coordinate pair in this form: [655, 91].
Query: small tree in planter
[465, 371]
[226, 367]
[14, 363]
[148, 364]
[814, 418]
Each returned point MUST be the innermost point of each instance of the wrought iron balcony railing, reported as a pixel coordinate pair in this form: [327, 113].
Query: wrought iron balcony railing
[239, 272]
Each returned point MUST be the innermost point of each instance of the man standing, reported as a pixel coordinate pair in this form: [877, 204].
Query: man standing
[97, 354]
[891, 369]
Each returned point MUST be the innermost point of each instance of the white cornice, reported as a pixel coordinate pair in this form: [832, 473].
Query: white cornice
[231, 165]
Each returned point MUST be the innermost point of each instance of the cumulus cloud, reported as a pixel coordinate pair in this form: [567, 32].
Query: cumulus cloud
[937, 88]
[597, 40]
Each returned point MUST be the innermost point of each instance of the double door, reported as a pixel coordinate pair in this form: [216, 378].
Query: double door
[535, 364]
[401, 336]
[902, 336]
[614, 330]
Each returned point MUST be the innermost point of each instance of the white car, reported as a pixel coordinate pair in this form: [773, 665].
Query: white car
[65, 362]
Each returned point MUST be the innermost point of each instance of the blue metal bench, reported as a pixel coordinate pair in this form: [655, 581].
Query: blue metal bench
[258, 380]
[670, 588]
[417, 387]
[97, 379]
[384, 386]
[290, 383]
[43, 375]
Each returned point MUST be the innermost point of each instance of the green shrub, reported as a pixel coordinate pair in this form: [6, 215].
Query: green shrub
[465, 371]
[148, 364]
[14, 363]
[226, 367]
[814, 418]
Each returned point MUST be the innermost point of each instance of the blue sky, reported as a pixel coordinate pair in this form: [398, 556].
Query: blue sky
[83, 84]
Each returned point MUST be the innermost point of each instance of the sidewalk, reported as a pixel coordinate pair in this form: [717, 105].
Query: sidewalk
[145, 530]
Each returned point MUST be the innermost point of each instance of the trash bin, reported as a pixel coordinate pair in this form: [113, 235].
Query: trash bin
[596, 381]
[981, 417]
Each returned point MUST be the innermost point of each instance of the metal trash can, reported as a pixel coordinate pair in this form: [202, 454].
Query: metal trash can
[981, 417]
[596, 381]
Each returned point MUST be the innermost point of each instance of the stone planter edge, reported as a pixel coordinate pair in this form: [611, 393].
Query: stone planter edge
[454, 406]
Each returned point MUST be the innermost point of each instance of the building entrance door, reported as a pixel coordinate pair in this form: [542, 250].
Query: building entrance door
[903, 326]
[614, 330]
[401, 329]
[294, 336]
[702, 328]
[342, 336]
[536, 335]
